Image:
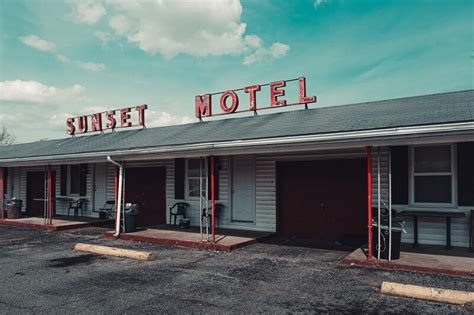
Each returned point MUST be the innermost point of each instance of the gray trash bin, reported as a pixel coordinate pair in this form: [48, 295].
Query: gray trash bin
[131, 212]
[14, 208]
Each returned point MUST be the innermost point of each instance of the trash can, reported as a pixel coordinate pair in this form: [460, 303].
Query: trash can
[184, 223]
[14, 208]
[131, 212]
[397, 228]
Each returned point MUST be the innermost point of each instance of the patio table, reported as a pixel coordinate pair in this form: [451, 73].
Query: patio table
[432, 214]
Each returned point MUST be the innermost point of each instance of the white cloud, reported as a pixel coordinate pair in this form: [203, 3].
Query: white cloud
[318, 3]
[253, 41]
[157, 119]
[63, 58]
[36, 92]
[91, 66]
[193, 27]
[38, 43]
[50, 47]
[104, 37]
[120, 24]
[275, 51]
[86, 11]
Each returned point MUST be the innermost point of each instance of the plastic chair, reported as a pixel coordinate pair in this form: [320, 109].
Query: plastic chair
[180, 210]
[76, 205]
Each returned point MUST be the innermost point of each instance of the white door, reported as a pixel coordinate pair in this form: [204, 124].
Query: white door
[100, 187]
[243, 189]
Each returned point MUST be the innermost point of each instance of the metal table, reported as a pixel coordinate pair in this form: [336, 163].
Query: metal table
[432, 214]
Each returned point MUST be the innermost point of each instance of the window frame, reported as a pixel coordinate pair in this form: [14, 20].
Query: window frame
[452, 173]
[68, 182]
[187, 177]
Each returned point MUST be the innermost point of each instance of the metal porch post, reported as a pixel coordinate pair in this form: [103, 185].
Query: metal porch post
[50, 195]
[369, 201]
[213, 204]
[116, 180]
[2, 193]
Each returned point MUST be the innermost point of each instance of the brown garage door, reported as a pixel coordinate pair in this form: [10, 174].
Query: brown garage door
[146, 187]
[324, 199]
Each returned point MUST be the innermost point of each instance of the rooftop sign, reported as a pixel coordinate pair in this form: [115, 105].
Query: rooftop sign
[229, 100]
[117, 118]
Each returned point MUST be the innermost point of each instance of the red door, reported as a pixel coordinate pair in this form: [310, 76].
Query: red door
[146, 187]
[324, 199]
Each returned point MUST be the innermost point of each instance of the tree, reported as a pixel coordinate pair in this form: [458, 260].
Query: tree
[6, 138]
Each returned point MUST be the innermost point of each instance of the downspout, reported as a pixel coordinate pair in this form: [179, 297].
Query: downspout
[119, 197]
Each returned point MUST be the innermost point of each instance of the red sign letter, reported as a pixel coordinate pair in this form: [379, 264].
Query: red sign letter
[235, 102]
[203, 105]
[303, 98]
[124, 116]
[252, 90]
[275, 93]
[141, 113]
[111, 122]
[71, 129]
[97, 122]
[83, 124]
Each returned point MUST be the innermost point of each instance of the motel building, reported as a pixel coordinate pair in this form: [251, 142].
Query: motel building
[303, 171]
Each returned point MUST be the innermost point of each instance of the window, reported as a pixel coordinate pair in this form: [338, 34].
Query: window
[433, 174]
[74, 180]
[193, 177]
[5, 180]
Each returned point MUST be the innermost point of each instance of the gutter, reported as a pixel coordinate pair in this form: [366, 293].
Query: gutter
[396, 132]
[119, 197]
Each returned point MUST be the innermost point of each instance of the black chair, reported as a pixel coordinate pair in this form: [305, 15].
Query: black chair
[180, 210]
[207, 214]
[107, 209]
[76, 205]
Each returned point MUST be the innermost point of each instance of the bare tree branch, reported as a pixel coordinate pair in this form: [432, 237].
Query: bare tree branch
[6, 138]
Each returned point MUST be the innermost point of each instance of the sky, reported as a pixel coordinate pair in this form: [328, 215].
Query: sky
[62, 59]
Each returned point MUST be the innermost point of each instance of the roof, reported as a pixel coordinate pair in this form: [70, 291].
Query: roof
[451, 107]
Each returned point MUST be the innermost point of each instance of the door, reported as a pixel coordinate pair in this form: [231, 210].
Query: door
[324, 200]
[35, 193]
[146, 187]
[243, 189]
[100, 185]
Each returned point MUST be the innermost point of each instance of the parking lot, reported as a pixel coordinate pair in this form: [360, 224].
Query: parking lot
[41, 274]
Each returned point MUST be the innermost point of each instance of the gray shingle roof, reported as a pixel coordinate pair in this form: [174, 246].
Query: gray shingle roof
[403, 112]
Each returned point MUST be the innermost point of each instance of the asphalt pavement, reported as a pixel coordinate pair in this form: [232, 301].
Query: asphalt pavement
[39, 273]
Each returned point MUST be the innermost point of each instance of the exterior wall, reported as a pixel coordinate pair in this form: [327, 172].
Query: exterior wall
[431, 231]
[17, 187]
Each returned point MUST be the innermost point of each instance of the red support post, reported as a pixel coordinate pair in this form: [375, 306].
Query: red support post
[369, 201]
[213, 202]
[2, 193]
[116, 180]
[50, 195]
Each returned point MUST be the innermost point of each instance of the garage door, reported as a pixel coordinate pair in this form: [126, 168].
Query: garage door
[324, 199]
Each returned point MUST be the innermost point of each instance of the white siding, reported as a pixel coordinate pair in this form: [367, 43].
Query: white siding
[431, 231]
[266, 194]
[19, 187]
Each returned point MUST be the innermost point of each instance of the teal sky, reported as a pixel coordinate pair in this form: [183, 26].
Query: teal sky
[60, 58]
